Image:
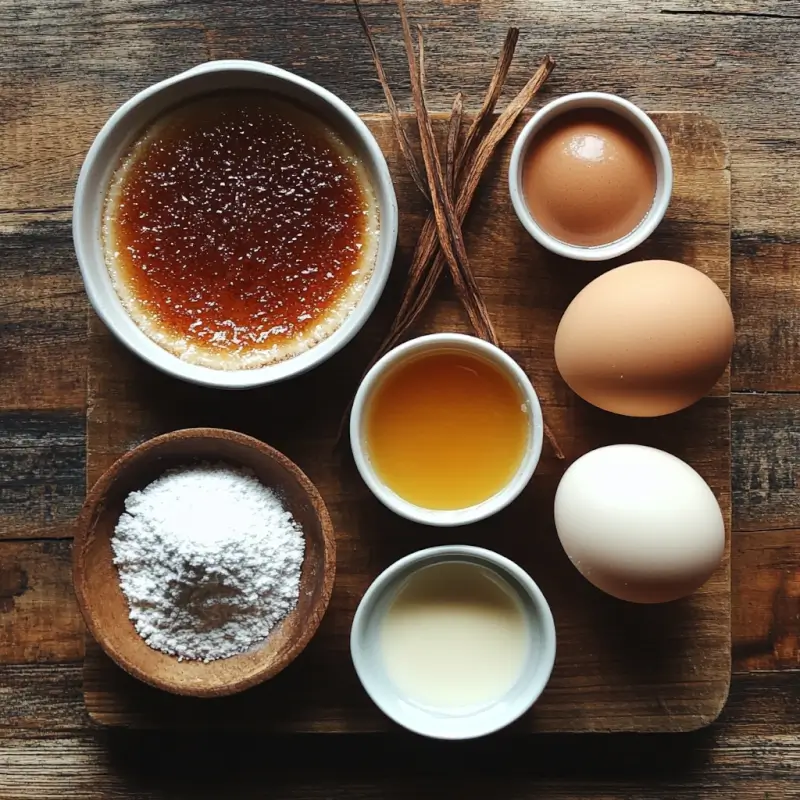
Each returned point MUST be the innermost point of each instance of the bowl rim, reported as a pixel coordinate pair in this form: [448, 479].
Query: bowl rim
[462, 516]
[82, 535]
[658, 147]
[111, 312]
[420, 559]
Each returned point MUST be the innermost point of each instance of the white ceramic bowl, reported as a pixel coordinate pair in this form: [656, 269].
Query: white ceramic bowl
[429, 344]
[367, 659]
[121, 130]
[658, 148]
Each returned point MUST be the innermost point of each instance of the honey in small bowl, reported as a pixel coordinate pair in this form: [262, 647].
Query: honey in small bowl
[446, 429]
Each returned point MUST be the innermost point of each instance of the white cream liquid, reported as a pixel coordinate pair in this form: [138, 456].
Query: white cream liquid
[454, 637]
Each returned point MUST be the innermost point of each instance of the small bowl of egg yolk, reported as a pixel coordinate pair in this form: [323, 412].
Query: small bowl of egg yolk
[590, 176]
[446, 429]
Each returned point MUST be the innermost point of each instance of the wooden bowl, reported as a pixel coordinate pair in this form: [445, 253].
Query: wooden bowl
[106, 610]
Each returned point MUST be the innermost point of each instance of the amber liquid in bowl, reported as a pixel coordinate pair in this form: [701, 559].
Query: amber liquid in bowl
[446, 430]
[240, 230]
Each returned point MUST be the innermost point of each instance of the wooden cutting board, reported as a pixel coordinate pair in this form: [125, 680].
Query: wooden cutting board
[620, 667]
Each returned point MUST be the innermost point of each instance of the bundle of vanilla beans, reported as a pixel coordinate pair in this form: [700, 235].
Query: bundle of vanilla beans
[450, 184]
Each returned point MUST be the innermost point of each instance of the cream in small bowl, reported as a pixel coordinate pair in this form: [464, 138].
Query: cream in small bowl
[453, 642]
[590, 176]
[235, 224]
[446, 429]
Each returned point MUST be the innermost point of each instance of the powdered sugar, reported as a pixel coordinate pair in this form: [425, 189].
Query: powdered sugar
[209, 561]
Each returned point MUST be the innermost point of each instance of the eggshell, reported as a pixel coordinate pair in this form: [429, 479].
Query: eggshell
[645, 339]
[639, 523]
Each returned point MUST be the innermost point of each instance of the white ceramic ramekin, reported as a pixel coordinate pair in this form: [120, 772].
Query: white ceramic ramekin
[439, 724]
[661, 156]
[126, 124]
[429, 344]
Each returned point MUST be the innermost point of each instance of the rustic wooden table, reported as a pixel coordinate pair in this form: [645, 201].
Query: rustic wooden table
[68, 63]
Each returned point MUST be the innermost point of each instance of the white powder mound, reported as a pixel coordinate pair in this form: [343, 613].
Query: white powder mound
[209, 561]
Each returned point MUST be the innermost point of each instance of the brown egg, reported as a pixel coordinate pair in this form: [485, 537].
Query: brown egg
[645, 339]
[589, 177]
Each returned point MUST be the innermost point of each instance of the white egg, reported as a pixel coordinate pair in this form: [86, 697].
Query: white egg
[639, 523]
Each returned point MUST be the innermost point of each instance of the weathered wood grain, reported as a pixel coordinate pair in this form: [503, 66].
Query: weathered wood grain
[766, 306]
[766, 9]
[40, 700]
[43, 386]
[72, 69]
[42, 458]
[619, 667]
[39, 619]
[766, 470]
[42, 317]
[751, 753]
[766, 600]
